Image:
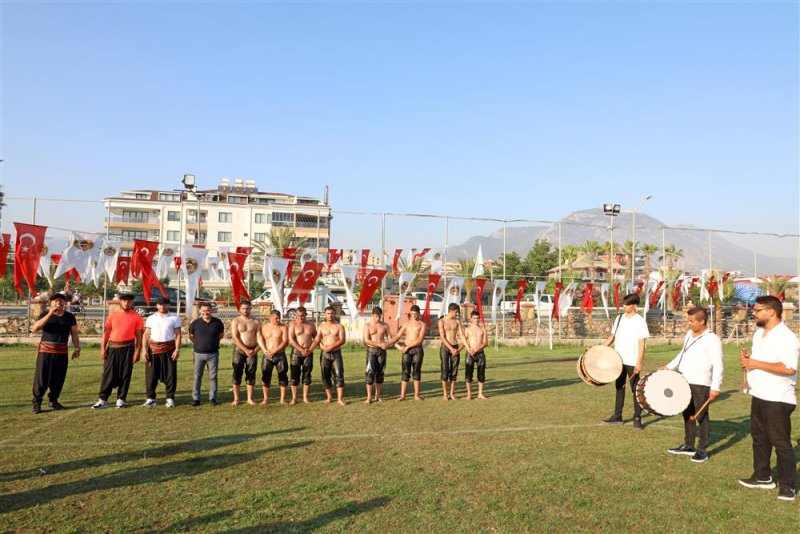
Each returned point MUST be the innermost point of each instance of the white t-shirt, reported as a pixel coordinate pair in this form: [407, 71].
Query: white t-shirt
[629, 330]
[780, 345]
[162, 327]
[700, 360]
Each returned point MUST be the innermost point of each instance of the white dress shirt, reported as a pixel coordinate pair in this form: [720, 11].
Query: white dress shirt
[162, 327]
[700, 359]
[779, 345]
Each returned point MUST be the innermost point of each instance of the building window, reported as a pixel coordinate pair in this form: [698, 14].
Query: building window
[237, 200]
[224, 237]
[282, 219]
[324, 243]
[260, 237]
[173, 235]
[225, 216]
[262, 218]
[310, 221]
[135, 216]
[130, 235]
[141, 196]
[173, 216]
[126, 253]
[173, 197]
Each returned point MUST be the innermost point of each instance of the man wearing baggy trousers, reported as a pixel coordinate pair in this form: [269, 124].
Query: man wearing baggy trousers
[161, 348]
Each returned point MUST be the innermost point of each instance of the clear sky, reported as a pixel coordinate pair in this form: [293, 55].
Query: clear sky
[511, 110]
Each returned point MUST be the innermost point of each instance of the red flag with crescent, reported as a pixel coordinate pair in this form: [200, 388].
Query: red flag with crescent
[334, 255]
[372, 281]
[417, 255]
[676, 292]
[654, 295]
[693, 282]
[137, 260]
[588, 299]
[364, 260]
[479, 285]
[123, 269]
[433, 281]
[712, 286]
[639, 287]
[556, 298]
[244, 250]
[177, 261]
[397, 253]
[521, 286]
[616, 295]
[236, 261]
[27, 253]
[304, 283]
[5, 245]
[289, 253]
[72, 273]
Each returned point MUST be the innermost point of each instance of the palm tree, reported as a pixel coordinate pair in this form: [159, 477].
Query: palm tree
[648, 250]
[628, 251]
[671, 255]
[465, 269]
[570, 254]
[592, 249]
[777, 285]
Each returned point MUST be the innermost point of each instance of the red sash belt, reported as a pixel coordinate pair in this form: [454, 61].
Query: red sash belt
[49, 347]
[121, 344]
[158, 347]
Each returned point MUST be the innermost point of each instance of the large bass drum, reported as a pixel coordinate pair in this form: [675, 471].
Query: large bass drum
[663, 393]
[599, 365]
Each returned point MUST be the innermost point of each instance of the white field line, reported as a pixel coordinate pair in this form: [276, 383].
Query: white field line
[35, 429]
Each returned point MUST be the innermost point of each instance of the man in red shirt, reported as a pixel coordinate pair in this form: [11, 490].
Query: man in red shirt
[122, 340]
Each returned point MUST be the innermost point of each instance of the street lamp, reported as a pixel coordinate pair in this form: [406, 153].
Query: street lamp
[611, 210]
[633, 235]
[190, 184]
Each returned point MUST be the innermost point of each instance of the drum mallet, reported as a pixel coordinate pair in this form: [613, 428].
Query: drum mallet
[699, 412]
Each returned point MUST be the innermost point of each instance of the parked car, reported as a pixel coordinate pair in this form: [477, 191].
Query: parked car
[437, 301]
[140, 305]
[322, 296]
[509, 306]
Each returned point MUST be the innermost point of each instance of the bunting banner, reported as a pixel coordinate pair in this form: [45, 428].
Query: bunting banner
[27, 252]
[123, 269]
[567, 296]
[192, 260]
[143, 253]
[498, 294]
[587, 304]
[149, 252]
[107, 262]
[372, 281]
[676, 293]
[417, 255]
[478, 270]
[480, 283]
[538, 291]
[639, 288]
[275, 271]
[521, 286]
[165, 260]
[349, 275]
[721, 287]
[712, 287]
[213, 265]
[236, 260]
[5, 245]
[648, 290]
[436, 261]
[556, 298]
[177, 261]
[289, 253]
[45, 261]
[334, 255]
[616, 295]
[405, 283]
[452, 294]
[655, 295]
[433, 281]
[82, 249]
[304, 283]
[224, 264]
[604, 297]
[397, 253]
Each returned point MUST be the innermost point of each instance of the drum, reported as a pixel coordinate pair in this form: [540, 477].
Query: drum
[663, 393]
[599, 365]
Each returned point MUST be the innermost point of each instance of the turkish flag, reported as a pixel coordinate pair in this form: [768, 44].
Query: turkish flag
[244, 250]
[520, 291]
[712, 287]
[27, 253]
[4, 246]
[639, 288]
[301, 290]
[123, 269]
[364, 260]
[372, 280]
[143, 258]
[556, 298]
[417, 255]
[177, 261]
[290, 253]
[654, 295]
[676, 292]
[479, 283]
[397, 253]
[236, 261]
[616, 295]
[334, 255]
[72, 272]
[137, 261]
[588, 299]
[433, 281]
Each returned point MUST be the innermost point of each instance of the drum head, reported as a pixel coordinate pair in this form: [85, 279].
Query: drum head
[602, 364]
[666, 392]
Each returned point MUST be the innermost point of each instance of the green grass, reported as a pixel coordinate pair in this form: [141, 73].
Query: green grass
[531, 458]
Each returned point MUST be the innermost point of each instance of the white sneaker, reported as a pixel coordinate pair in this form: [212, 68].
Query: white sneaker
[99, 405]
[170, 403]
[149, 403]
[121, 403]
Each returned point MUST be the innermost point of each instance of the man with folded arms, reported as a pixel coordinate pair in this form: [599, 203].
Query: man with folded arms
[161, 348]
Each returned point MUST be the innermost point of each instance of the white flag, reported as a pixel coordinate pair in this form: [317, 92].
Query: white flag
[78, 254]
[405, 282]
[275, 271]
[436, 261]
[348, 273]
[497, 296]
[305, 257]
[604, 297]
[224, 265]
[703, 282]
[107, 263]
[46, 260]
[192, 260]
[538, 292]
[565, 299]
[478, 271]
[165, 260]
[452, 294]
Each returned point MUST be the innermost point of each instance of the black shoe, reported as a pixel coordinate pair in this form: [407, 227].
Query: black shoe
[787, 493]
[637, 424]
[754, 482]
[57, 405]
[614, 420]
[37, 408]
[195, 403]
[699, 457]
[213, 402]
[682, 449]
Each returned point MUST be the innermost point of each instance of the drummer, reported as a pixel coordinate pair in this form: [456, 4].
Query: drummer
[700, 362]
[628, 334]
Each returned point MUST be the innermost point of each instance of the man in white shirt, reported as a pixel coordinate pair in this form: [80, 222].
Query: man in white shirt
[700, 362]
[771, 372]
[628, 334]
[160, 348]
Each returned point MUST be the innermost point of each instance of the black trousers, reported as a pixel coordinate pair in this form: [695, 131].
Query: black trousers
[479, 359]
[449, 363]
[332, 369]
[627, 370]
[51, 371]
[277, 362]
[771, 426]
[699, 397]
[117, 371]
[162, 368]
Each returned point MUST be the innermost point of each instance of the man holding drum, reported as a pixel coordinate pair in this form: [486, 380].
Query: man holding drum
[700, 362]
[628, 335]
[771, 372]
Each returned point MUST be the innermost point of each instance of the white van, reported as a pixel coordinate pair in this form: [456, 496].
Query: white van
[509, 306]
[321, 297]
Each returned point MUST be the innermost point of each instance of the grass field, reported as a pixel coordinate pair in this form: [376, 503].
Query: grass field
[533, 457]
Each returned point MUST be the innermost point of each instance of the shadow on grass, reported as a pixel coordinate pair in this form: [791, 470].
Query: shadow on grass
[158, 473]
[345, 511]
[203, 444]
[726, 433]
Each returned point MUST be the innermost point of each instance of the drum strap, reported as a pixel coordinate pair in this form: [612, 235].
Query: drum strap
[616, 325]
[687, 346]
